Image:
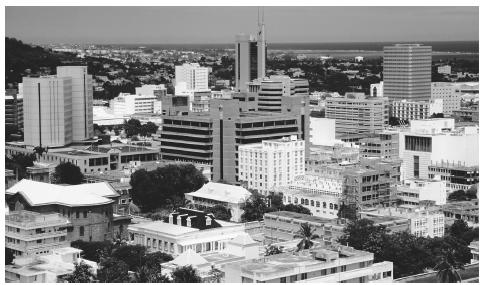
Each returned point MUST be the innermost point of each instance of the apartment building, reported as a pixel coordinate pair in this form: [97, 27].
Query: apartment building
[271, 164]
[448, 93]
[14, 113]
[467, 211]
[192, 75]
[355, 114]
[456, 176]
[325, 264]
[30, 233]
[273, 88]
[129, 104]
[383, 145]
[414, 191]
[416, 110]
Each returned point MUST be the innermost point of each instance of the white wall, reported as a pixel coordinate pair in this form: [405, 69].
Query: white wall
[322, 131]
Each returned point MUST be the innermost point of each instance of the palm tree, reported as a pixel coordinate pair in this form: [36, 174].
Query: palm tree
[447, 268]
[306, 233]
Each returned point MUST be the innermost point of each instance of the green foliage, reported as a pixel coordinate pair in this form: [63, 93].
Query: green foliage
[133, 127]
[220, 212]
[307, 234]
[146, 274]
[460, 230]
[19, 163]
[186, 274]
[447, 269]
[437, 115]
[296, 209]
[92, 250]
[272, 250]
[461, 195]
[68, 173]
[132, 255]
[356, 233]
[9, 257]
[82, 274]
[113, 270]
[254, 208]
[158, 188]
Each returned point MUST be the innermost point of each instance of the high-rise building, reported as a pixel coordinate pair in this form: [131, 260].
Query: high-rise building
[407, 72]
[272, 89]
[271, 164]
[416, 110]
[82, 100]
[193, 76]
[250, 57]
[48, 111]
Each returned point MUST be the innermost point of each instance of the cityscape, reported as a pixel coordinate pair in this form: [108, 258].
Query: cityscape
[241, 146]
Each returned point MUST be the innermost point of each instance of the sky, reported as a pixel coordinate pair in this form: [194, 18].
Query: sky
[185, 25]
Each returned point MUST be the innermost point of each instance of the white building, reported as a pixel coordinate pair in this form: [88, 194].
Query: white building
[212, 194]
[433, 141]
[416, 110]
[271, 90]
[377, 89]
[444, 69]
[193, 75]
[413, 191]
[250, 58]
[424, 221]
[448, 93]
[270, 164]
[128, 104]
[321, 195]
[474, 251]
[48, 108]
[359, 58]
[151, 89]
[322, 131]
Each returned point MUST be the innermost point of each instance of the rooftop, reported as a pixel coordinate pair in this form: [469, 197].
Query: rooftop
[162, 227]
[222, 192]
[302, 217]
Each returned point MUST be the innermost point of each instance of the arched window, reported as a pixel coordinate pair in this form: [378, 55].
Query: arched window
[302, 201]
[330, 205]
[306, 202]
[312, 203]
[324, 205]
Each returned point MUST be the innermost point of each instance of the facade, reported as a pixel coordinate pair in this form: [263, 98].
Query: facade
[416, 110]
[48, 111]
[175, 106]
[213, 138]
[467, 211]
[30, 233]
[14, 110]
[470, 114]
[457, 177]
[424, 221]
[449, 94]
[150, 89]
[325, 264]
[377, 89]
[407, 72]
[412, 192]
[383, 145]
[321, 195]
[354, 114]
[82, 100]
[128, 104]
[444, 69]
[271, 164]
[474, 251]
[428, 142]
[229, 196]
[88, 207]
[193, 76]
[322, 131]
[337, 153]
[276, 86]
[185, 230]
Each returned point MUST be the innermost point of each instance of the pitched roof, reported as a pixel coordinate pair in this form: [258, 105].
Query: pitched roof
[222, 192]
[39, 193]
[189, 257]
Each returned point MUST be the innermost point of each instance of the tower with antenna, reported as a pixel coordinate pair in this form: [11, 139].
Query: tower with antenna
[262, 47]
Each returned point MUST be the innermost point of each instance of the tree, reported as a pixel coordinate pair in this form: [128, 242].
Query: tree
[273, 249]
[458, 195]
[82, 274]
[113, 270]
[296, 209]
[147, 274]
[471, 193]
[356, 233]
[215, 275]
[186, 274]
[254, 208]
[307, 234]
[437, 115]
[132, 255]
[149, 128]
[132, 127]
[165, 185]
[220, 212]
[19, 163]
[92, 250]
[447, 269]
[154, 259]
[9, 256]
[68, 173]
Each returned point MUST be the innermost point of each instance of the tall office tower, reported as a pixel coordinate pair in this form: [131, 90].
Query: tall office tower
[250, 57]
[407, 72]
[275, 87]
[82, 100]
[193, 76]
[48, 111]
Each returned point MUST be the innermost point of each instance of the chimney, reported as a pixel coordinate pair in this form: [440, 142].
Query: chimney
[189, 221]
[208, 221]
[179, 220]
[170, 219]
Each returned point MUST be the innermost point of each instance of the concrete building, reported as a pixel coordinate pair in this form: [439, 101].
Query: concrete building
[48, 111]
[175, 106]
[150, 89]
[271, 164]
[467, 211]
[355, 114]
[30, 233]
[325, 264]
[377, 89]
[383, 145]
[14, 110]
[275, 87]
[416, 110]
[185, 230]
[429, 142]
[213, 138]
[128, 104]
[407, 72]
[424, 221]
[449, 94]
[82, 100]
[192, 75]
[250, 58]
[337, 153]
[474, 251]
[321, 195]
[322, 131]
[412, 192]
[88, 207]
[229, 196]
[470, 114]
[457, 177]
[444, 69]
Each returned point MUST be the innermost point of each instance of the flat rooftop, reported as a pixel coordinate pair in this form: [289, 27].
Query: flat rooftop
[162, 228]
[298, 216]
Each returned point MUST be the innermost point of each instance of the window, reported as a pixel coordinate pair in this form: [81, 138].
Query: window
[85, 214]
[386, 274]
[333, 270]
[81, 231]
[283, 280]
[77, 214]
[303, 276]
[323, 272]
[416, 166]
[293, 278]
